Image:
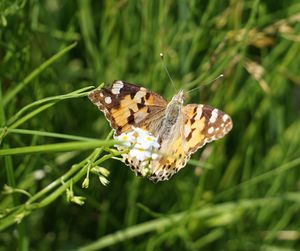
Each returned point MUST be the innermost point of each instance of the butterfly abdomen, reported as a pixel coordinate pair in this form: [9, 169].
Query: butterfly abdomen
[172, 113]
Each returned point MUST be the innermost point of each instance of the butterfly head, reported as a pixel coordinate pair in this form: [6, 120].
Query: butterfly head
[178, 98]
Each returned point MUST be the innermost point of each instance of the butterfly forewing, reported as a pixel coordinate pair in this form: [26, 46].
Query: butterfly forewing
[126, 105]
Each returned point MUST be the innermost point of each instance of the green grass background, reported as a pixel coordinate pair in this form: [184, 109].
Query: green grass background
[239, 193]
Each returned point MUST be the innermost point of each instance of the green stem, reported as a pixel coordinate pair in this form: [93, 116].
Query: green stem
[23, 241]
[30, 115]
[59, 147]
[45, 134]
[53, 196]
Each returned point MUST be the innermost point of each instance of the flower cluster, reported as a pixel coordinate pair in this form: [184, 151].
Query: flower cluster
[142, 146]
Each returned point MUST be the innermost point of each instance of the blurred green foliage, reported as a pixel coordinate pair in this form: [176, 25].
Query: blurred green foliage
[239, 193]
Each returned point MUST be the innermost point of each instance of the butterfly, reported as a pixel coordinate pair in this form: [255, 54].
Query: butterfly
[181, 130]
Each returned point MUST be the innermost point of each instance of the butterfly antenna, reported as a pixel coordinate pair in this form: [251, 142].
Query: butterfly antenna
[217, 78]
[166, 69]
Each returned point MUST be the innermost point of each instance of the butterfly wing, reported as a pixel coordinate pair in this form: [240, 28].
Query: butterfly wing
[203, 124]
[126, 105]
[197, 125]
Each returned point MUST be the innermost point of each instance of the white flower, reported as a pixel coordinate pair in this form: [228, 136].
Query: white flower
[154, 156]
[147, 141]
[126, 139]
[142, 144]
[139, 153]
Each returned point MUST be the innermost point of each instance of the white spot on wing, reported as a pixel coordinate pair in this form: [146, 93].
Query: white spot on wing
[210, 130]
[107, 100]
[117, 86]
[225, 117]
[199, 112]
[138, 96]
[115, 91]
[214, 115]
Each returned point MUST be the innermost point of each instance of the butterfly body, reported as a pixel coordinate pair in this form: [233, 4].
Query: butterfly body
[180, 130]
[169, 118]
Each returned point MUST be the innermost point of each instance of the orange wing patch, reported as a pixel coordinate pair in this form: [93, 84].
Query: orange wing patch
[172, 159]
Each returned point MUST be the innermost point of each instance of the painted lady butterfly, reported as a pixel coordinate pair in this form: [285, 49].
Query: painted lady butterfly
[181, 130]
